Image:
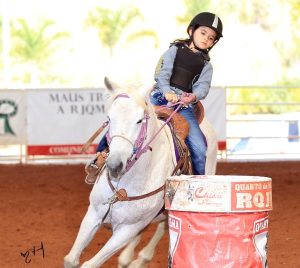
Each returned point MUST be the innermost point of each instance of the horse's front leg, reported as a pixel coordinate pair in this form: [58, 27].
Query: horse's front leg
[88, 228]
[127, 254]
[147, 253]
[121, 237]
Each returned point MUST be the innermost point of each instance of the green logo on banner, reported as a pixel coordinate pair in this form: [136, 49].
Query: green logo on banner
[5, 114]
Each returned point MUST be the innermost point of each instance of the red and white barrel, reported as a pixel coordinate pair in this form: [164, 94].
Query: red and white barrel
[218, 221]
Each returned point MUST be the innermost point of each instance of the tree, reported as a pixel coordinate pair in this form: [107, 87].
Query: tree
[193, 7]
[295, 25]
[35, 46]
[110, 25]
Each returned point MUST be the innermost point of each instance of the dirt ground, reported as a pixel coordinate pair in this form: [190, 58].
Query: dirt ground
[42, 207]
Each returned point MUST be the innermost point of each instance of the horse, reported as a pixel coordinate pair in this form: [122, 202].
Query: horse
[129, 194]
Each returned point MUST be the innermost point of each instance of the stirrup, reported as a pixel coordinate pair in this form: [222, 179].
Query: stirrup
[92, 177]
[94, 168]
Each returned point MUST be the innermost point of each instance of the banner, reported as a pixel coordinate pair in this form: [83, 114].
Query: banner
[12, 117]
[60, 121]
[215, 112]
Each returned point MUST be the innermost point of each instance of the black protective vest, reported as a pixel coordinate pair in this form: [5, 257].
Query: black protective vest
[187, 68]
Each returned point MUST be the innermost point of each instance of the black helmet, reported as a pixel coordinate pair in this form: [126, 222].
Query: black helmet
[209, 20]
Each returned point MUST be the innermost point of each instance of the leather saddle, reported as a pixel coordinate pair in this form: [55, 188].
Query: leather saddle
[180, 129]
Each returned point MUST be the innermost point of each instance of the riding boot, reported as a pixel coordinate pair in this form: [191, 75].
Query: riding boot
[95, 167]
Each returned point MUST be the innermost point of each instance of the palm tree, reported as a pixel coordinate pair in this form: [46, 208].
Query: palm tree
[193, 7]
[35, 46]
[110, 25]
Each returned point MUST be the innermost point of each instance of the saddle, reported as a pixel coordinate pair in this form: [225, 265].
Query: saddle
[180, 129]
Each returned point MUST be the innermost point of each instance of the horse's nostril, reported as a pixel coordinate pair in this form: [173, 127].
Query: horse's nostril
[115, 169]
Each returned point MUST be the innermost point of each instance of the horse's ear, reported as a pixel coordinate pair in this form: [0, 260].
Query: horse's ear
[108, 84]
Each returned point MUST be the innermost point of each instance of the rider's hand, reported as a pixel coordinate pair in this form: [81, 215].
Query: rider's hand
[188, 98]
[171, 97]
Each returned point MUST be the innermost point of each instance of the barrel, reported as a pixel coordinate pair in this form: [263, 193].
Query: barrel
[218, 221]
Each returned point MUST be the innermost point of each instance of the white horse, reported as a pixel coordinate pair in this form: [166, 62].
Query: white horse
[126, 258]
[129, 193]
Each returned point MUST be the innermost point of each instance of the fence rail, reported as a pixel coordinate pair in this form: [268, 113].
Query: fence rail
[255, 127]
[254, 134]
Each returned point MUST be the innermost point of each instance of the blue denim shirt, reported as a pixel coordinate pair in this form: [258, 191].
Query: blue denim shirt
[163, 74]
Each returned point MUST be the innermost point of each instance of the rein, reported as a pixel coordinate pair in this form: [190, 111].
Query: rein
[93, 137]
[138, 148]
[147, 146]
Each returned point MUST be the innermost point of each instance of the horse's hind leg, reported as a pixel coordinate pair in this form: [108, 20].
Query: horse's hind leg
[88, 228]
[127, 254]
[147, 253]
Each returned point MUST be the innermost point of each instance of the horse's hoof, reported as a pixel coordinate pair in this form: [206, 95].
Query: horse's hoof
[70, 264]
[138, 263]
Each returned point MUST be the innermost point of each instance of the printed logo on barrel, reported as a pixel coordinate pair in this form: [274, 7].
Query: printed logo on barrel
[260, 239]
[174, 235]
[251, 196]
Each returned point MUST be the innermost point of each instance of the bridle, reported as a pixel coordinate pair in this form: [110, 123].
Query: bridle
[137, 147]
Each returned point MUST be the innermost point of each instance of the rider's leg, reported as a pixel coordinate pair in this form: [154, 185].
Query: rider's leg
[195, 141]
[157, 98]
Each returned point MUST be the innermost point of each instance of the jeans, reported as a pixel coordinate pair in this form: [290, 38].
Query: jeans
[102, 144]
[195, 140]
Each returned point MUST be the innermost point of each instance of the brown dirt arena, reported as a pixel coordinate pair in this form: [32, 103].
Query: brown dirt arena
[45, 203]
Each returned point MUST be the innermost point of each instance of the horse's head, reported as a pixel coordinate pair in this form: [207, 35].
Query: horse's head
[127, 115]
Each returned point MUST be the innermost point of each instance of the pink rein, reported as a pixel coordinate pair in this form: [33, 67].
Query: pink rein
[138, 147]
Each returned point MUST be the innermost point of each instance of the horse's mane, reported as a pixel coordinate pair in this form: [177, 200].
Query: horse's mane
[139, 94]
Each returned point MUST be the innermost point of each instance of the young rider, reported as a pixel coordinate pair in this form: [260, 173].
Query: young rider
[184, 72]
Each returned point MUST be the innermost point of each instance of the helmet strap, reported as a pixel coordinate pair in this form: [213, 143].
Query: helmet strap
[213, 44]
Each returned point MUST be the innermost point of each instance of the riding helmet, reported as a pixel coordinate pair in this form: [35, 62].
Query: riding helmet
[209, 20]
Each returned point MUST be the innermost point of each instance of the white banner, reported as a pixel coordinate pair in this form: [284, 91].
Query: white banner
[12, 117]
[60, 121]
[215, 112]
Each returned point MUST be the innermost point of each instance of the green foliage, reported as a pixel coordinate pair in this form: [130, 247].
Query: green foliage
[193, 7]
[1, 36]
[295, 10]
[110, 24]
[295, 28]
[35, 44]
[144, 33]
[34, 47]
[263, 100]
[254, 12]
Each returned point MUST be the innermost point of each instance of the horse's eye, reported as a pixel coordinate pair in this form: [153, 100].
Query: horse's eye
[140, 121]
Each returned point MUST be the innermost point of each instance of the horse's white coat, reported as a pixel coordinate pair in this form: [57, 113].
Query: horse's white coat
[147, 174]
